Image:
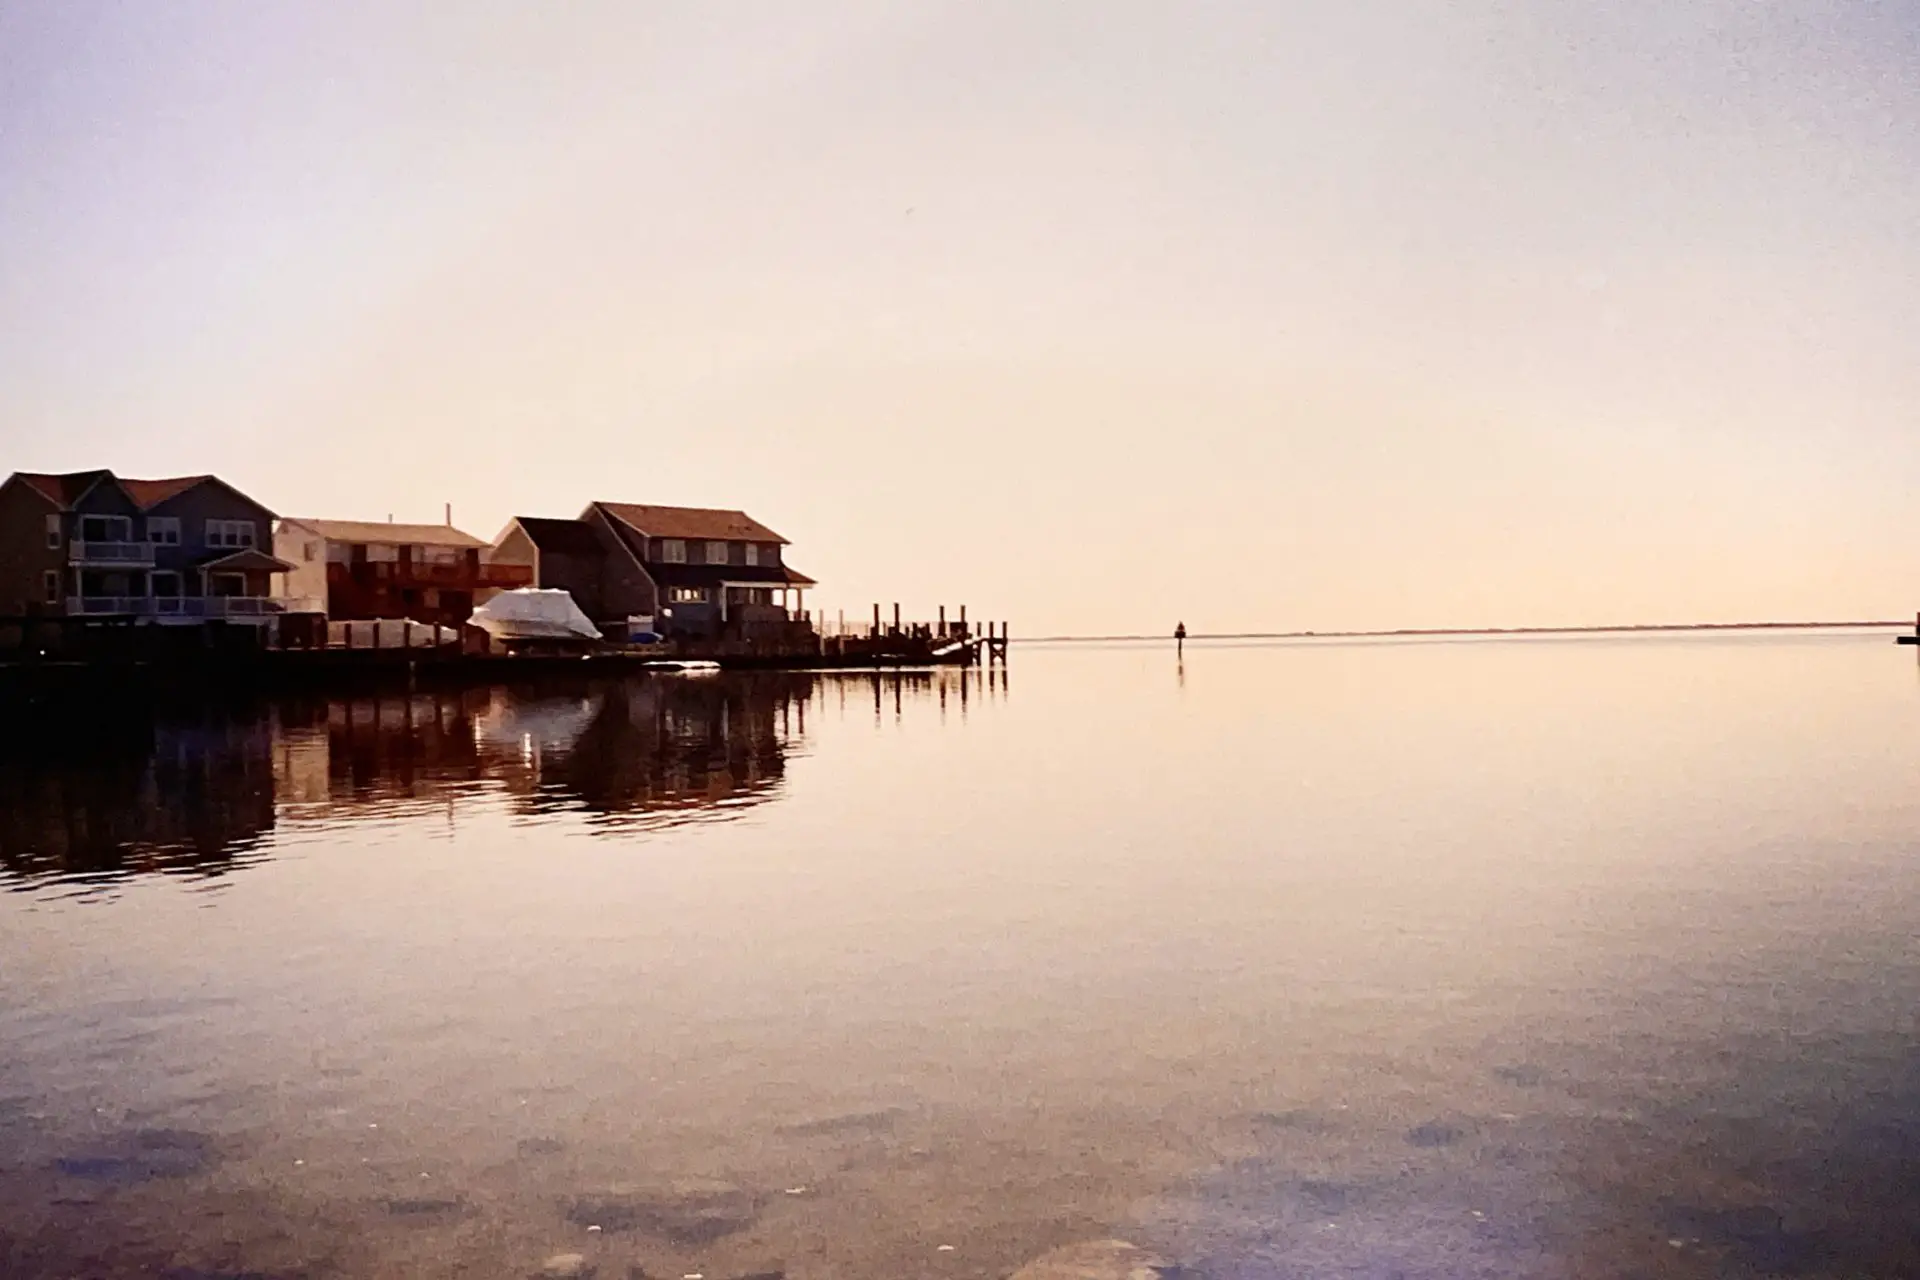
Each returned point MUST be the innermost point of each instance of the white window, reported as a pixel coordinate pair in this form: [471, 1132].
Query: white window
[50, 583]
[233, 534]
[53, 533]
[716, 553]
[439, 555]
[308, 551]
[673, 551]
[753, 553]
[163, 531]
[688, 595]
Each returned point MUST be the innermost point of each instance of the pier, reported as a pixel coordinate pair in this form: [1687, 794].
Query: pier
[54, 661]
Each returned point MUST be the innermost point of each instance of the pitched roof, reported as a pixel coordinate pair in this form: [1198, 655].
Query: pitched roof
[62, 490]
[384, 533]
[249, 558]
[66, 490]
[693, 523]
[712, 575]
[151, 493]
[563, 537]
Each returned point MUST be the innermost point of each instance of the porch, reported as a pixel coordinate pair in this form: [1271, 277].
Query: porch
[236, 586]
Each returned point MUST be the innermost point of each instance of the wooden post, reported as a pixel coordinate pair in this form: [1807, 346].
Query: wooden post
[943, 622]
[963, 620]
[896, 617]
[876, 621]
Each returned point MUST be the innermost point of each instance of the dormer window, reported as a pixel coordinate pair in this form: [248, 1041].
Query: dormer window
[717, 553]
[673, 551]
[753, 553]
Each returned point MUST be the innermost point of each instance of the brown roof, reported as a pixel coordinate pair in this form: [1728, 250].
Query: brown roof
[693, 523]
[63, 490]
[151, 493]
[384, 533]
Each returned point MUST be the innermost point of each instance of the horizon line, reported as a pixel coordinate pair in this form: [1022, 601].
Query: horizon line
[1416, 632]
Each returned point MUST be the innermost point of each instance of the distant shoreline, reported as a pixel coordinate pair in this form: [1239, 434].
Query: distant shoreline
[1406, 633]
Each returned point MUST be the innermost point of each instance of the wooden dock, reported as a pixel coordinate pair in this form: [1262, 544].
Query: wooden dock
[63, 662]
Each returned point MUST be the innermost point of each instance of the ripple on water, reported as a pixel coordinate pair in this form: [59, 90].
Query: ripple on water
[143, 1155]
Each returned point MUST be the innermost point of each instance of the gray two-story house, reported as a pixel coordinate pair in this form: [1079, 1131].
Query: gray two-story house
[694, 571]
[93, 544]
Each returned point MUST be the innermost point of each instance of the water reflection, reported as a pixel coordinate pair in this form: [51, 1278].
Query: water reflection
[199, 790]
[1431, 960]
[190, 794]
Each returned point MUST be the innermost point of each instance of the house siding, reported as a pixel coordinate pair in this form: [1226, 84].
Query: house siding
[578, 576]
[626, 588]
[24, 555]
[291, 542]
[211, 500]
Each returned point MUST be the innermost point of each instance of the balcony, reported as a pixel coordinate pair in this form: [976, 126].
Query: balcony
[418, 573]
[191, 606]
[135, 555]
[108, 606]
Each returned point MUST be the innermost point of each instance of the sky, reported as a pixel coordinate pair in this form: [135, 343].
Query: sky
[1094, 315]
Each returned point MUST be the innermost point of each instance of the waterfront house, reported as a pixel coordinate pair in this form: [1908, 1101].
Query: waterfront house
[696, 571]
[431, 573]
[92, 544]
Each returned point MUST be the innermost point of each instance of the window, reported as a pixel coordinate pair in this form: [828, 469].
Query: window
[53, 533]
[163, 531]
[232, 534]
[106, 529]
[753, 553]
[688, 595]
[307, 552]
[673, 551]
[50, 584]
[717, 553]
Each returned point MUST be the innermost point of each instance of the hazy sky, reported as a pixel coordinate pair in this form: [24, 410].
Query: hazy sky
[1093, 315]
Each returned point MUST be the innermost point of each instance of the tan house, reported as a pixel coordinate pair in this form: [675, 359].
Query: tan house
[432, 573]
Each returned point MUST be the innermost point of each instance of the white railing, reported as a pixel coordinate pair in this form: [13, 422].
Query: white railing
[195, 606]
[108, 604]
[137, 553]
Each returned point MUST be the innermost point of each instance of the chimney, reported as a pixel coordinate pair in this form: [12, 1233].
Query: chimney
[449, 515]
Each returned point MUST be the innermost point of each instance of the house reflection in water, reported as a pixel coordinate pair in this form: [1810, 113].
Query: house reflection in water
[209, 789]
[655, 750]
[619, 751]
[111, 797]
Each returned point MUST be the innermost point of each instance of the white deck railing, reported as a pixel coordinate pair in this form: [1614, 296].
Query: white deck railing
[134, 553]
[194, 606]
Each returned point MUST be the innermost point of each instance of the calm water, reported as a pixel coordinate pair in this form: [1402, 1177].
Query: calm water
[1557, 958]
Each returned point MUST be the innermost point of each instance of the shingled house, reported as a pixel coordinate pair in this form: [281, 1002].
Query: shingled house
[181, 550]
[695, 571]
